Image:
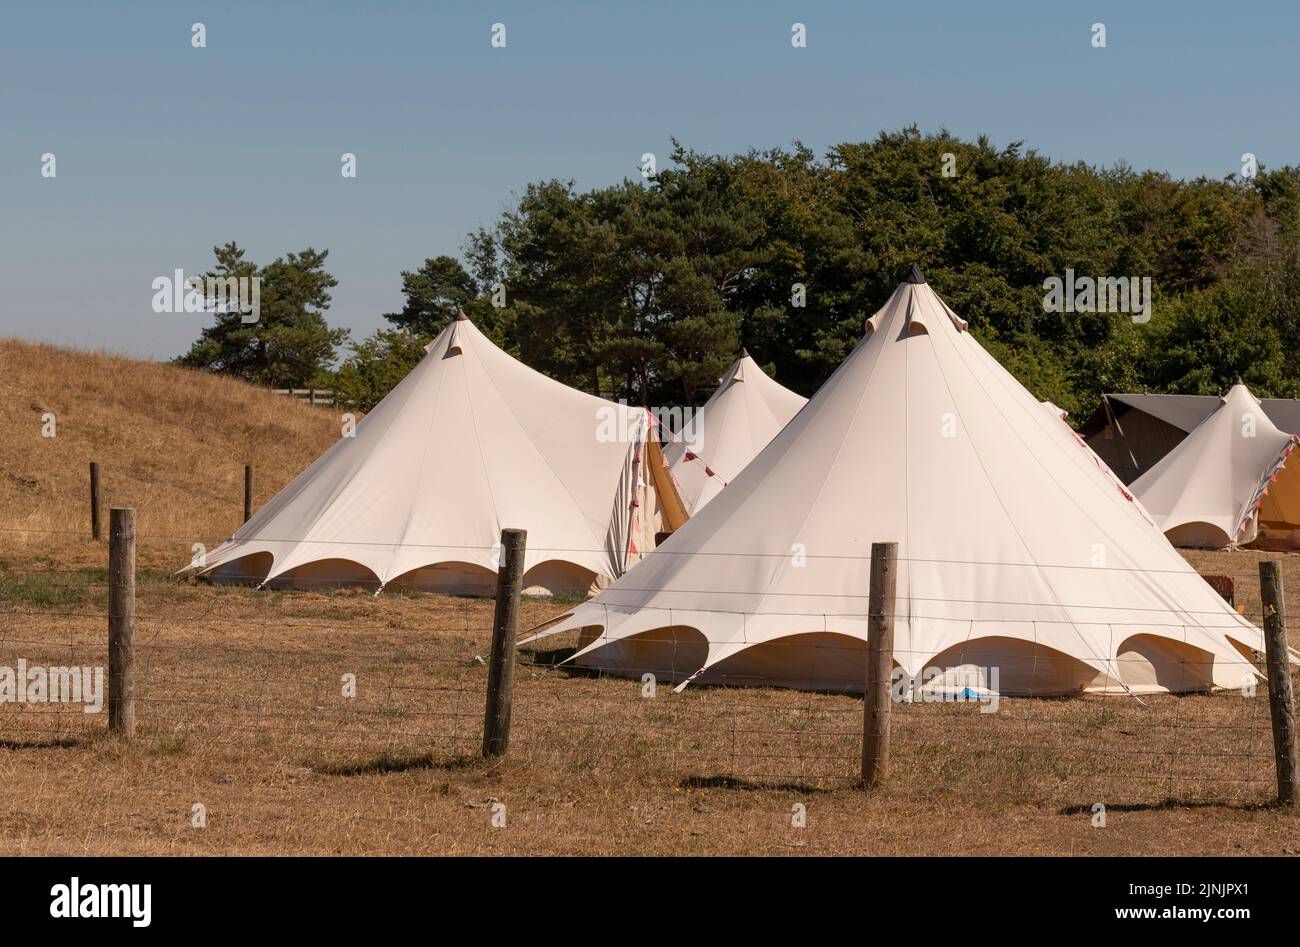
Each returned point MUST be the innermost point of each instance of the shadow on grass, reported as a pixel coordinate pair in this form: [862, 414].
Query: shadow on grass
[392, 763]
[554, 658]
[1165, 805]
[50, 743]
[747, 785]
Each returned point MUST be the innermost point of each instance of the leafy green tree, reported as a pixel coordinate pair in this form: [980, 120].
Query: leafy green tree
[290, 344]
[377, 365]
[1207, 338]
[646, 290]
[434, 293]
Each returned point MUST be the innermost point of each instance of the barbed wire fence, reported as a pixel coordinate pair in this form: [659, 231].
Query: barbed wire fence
[350, 683]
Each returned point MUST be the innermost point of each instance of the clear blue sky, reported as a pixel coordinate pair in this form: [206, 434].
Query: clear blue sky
[164, 150]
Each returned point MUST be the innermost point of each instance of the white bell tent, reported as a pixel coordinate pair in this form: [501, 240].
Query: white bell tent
[1230, 482]
[1017, 551]
[471, 441]
[740, 418]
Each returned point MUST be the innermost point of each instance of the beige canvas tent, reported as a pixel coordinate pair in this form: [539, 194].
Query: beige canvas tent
[739, 419]
[1230, 482]
[469, 442]
[1021, 558]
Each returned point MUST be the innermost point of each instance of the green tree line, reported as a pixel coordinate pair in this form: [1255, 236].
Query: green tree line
[647, 289]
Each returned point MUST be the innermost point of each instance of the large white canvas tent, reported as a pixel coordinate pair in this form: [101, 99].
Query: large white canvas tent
[471, 441]
[740, 418]
[1017, 550]
[1229, 482]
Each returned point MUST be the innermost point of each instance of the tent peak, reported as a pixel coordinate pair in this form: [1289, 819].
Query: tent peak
[460, 315]
[914, 275]
[744, 352]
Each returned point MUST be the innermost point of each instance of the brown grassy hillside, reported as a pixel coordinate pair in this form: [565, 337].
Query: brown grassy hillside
[169, 441]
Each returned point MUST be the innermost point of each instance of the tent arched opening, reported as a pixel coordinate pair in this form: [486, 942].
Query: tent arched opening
[448, 578]
[1010, 666]
[672, 653]
[562, 578]
[245, 570]
[1198, 535]
[824, 661]
[324, 574]
[1149, 663]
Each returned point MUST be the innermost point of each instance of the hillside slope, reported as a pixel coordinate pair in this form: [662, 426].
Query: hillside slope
[170, 442]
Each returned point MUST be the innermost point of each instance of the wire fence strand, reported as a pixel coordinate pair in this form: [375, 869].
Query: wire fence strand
[340, 680]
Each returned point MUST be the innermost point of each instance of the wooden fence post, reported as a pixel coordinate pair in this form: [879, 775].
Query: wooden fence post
[248, 492]
[505, 622]
[876, 704]
[121, 622]
[95, 532]
[1280, 700]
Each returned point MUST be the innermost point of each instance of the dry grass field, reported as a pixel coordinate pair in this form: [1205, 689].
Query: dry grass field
[241, 709]
[241, 706]
[169, 441]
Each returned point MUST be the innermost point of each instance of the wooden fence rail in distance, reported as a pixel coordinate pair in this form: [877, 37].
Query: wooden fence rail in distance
[310, 395]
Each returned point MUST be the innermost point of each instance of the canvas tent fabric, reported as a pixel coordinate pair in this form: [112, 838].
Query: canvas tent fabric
[471, 441]
[1187, 411]
[1058, 412]
[1230, 482]
[740, 418]
[1133, 432]
[1017, 551]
